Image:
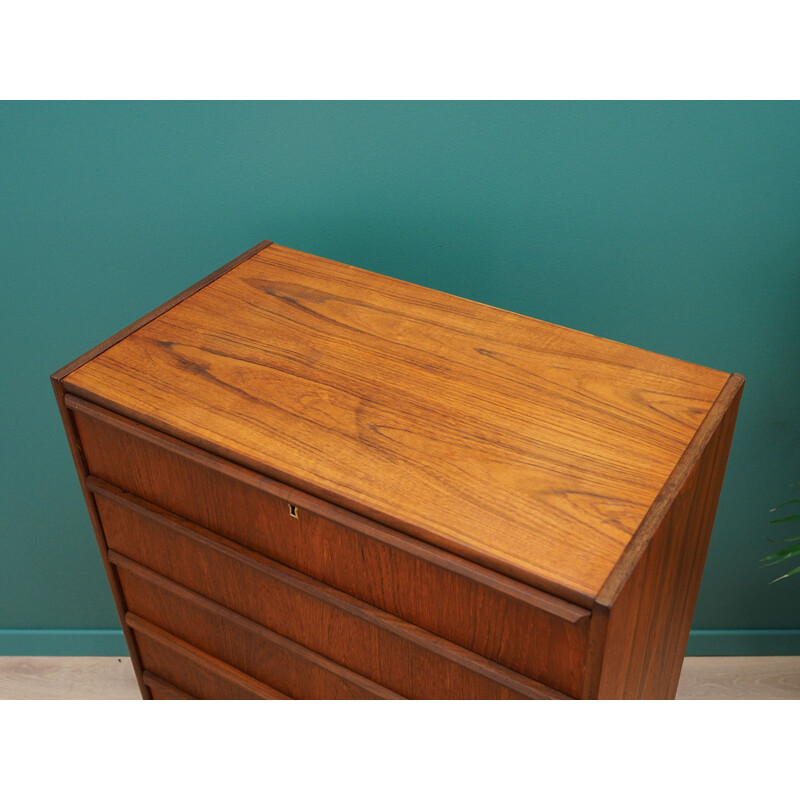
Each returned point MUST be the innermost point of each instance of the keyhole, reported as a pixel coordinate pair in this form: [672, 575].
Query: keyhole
[293, 511]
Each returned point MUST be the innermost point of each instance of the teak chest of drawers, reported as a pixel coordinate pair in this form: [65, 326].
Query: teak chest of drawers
[312, 481]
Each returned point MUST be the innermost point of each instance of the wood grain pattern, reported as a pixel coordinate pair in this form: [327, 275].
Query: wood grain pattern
[78, 457]
[161, 690]
[57, 382]
[382, 648]
[191, 670]
[434, 590]
[482, 505]
[649, 615]
[528, 448]
[254, 650]
[60, 374]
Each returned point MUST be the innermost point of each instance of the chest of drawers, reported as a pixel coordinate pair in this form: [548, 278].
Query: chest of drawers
[308, 480]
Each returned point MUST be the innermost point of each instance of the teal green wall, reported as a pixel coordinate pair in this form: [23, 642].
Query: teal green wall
[671, 226]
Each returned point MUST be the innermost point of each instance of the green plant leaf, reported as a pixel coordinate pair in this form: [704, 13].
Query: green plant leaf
[791, 572]
[776, 559]
[783, 505]
[783, 554]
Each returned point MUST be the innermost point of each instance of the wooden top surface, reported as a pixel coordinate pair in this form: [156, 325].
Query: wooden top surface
[527, 447]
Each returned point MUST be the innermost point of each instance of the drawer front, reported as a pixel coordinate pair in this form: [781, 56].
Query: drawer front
[506, 621]
[235, 640]
[366, 640]
[191, 671]
[161, 690]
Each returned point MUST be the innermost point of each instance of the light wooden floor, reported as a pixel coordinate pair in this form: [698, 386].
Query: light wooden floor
[57, 678]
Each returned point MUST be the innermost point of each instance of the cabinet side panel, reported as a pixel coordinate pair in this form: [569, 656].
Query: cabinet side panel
[650, 618]
[111, 574]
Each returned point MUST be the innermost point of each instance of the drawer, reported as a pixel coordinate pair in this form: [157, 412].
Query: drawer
[393, 653]
[440, 592]
[238, 641]
[191, 671]
[161, 690]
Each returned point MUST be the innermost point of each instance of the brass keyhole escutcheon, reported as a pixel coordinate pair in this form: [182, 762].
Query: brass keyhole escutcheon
[293, 511]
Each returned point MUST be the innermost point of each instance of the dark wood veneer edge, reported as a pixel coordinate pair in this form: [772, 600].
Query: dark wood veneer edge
[461, 298]
[60, 374]
[327, 594]
[56, 380]
[595, 650]
[672, 486]
[113, 579]
[625, 566]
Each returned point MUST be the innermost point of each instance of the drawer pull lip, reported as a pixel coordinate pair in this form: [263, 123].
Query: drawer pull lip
[165, 584]
[345, 604]
[202, 659]
[152, 680]
[293, 511]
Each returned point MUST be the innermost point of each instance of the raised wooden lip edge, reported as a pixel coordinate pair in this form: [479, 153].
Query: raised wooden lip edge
[154, 681]
[471, 555]
[76, 447]
[82, 469]
[415, 548]
[60, 374]
[201, 658]
[494, 308]
[297, 650]
[444, 648]
[669, 491]
[637, 546]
